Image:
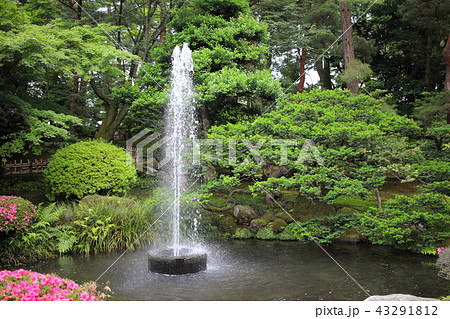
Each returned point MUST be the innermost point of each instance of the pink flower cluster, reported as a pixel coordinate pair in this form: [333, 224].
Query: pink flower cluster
[440, 250]
[27, 285]
[15, 213]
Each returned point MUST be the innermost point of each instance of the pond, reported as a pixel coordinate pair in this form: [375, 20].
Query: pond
[261, 270]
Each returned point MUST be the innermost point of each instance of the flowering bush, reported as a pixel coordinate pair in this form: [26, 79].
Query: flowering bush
[15, 213]
[440, 250]
[27, 285]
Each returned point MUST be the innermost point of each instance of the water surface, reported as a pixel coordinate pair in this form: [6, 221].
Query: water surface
[262, 270]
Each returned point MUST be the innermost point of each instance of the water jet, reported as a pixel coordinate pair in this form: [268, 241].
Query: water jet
[180, 131]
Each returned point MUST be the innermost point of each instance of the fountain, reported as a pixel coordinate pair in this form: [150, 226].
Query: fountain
[179, 128]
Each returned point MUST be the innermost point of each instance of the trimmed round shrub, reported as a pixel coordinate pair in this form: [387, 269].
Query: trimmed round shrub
[27, 285]
[15, 213]
[90, 167]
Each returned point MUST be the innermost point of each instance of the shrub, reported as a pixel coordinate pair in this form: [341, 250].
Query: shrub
[27, 285]
[265, 233]
[111, 224]
[88, 168]
[420, 224]
[242, 233]
[15, 213]
[45, 238]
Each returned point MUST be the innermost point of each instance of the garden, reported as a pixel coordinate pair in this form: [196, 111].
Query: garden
[289, 180]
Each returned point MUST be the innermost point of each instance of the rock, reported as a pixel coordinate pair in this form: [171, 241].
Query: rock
[226, 223]
[285, 216]
[305, 209]
[278, 225]
[257, 224]
[399, 297]
[350, 235]
[270, 217]
[244, 214]
[443, 263]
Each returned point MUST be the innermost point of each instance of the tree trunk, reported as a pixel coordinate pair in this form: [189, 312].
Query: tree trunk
[73, 98]
[301, 84]
[111, 122]
[113, 117]
[428, 63]
[205, 120]
[347, 42]
[446, 54]
[379, 203]
[80, 9]
[323, 69]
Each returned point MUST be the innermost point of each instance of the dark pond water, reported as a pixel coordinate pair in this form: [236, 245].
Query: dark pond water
[261, 270]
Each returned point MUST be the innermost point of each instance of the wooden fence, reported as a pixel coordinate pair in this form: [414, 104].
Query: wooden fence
[36, 165]
[24, 166]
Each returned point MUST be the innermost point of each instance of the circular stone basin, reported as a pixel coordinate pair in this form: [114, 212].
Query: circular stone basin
[187, 262]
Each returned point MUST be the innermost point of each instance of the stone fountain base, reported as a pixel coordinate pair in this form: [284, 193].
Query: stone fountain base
[187, 262]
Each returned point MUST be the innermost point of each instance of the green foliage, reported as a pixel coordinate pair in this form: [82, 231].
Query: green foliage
[229, 51]
[265, 233]
[357, 137]
[106, 225]
[417, 223]
[44, 239]
[111, 224]
[242, 233]
[88, 168]
[406, 33]
[40, 127]
[322, 229]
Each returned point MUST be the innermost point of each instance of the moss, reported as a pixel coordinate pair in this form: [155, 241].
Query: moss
[357, 203]
[226, 223]
[242, 233]
[284, 216]
[278, 225]
[270, 217]
[265, 233]
[257, 224]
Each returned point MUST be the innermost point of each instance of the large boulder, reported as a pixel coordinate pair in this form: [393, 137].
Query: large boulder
[350, 235]
[306, 209]
[244, 214]
[399, 297]
[278, 225]
[288, 218]
[443, 263]
[257, 224]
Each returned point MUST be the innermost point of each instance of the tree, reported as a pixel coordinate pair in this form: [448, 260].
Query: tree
[408, 37]
[132, 29]
[231, 75]
[341, 145]
[28, 58]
